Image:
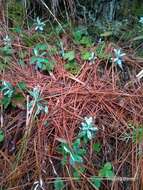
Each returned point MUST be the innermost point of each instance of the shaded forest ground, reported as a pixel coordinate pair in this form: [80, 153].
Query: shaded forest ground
[71, 106]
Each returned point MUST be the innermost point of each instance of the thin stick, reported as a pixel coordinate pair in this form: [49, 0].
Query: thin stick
[52, 15]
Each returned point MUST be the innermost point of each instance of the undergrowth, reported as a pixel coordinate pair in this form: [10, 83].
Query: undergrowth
[71, 108]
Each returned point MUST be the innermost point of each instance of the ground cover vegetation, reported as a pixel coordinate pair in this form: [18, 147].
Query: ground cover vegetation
[71, 95]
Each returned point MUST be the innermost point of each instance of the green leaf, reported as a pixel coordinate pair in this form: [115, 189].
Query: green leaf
[49, 66]
[6, 101]
[86, 41]
[106, 34]
[95, 181]
[86, 56]
[33, 60]
[75, 158]
[72, 67]
[58, 184]
[22, 85]
[77, 34]
[106, 171]
[70, 55]
[137, 134]
[42, 47]
[108, 166]
[97, 147]
[1, 136]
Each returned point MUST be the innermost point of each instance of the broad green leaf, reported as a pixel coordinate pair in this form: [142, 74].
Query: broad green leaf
[77, 35]
[70, 55]
[106, 171]
[1, 136]
[108, 166]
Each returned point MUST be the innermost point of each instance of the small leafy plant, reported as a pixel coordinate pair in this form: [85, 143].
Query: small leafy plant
[36, 101]
[87, 129]
[100, 51]
[118, 57]
[8, 91]
[81, 37]
[75, 153]
[7, 49]
[106, 171]
[70, 55]
[88, 56]
[71, 64]
[7, 41]
[41, 62]
[39, 25]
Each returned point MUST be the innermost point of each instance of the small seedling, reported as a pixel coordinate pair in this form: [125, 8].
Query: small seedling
[7, 41]
[39, 59]
[39, 25]
[8, 91]
[118, 57]
[106, 171]
[36, 101]
[87, 129]
[75, 153]
[6, 50]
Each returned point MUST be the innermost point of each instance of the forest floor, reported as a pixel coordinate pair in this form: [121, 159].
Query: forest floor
[71, 112]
